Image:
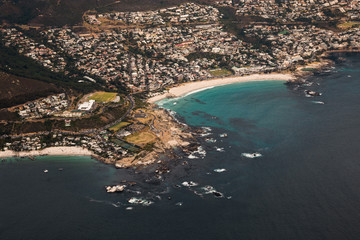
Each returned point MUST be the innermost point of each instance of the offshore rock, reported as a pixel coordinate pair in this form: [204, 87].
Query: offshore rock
[116, 188]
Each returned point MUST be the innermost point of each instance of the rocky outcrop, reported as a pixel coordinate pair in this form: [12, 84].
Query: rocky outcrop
[116, 188]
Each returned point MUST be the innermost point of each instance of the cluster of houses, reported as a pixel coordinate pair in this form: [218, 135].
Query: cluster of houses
[192, 42]
[92, 19]
[292, 43]
[44, 107]
[294, 10]
[98, 144]
[304, 43]
[184, 13]
[44, 55]
[158, 55]
[145, 67]
[25, 144]
[129, 18]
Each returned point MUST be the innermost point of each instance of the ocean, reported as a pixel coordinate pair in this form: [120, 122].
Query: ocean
[274, 164]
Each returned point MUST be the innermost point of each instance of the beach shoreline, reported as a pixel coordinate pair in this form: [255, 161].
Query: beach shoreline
[53, 151]
[298, 75]
[189, 87]
[177, 91]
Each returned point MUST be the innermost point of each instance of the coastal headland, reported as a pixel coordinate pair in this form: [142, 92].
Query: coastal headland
[160, 135]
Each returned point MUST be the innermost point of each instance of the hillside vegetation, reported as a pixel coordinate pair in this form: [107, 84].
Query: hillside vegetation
[16, 90]
[62, 12]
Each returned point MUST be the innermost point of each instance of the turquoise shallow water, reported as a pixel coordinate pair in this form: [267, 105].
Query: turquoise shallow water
[306, 185]
[254, 116]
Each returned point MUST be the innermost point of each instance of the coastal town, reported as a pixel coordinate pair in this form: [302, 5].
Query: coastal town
[151, 51]
[138, 138]
[154, 49]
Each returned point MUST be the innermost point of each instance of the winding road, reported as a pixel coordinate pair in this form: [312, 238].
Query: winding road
[132, 104]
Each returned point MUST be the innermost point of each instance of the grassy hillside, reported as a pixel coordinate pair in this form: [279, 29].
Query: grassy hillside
[16, 90]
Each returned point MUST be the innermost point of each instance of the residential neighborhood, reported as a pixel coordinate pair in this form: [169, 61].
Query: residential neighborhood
[43, 107]
[47, 57]
[154, 49]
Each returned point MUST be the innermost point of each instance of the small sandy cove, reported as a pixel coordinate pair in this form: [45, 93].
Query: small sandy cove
[185, 88]
[54, 151]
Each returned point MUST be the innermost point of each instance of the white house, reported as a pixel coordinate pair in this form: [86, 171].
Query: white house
[87, 106]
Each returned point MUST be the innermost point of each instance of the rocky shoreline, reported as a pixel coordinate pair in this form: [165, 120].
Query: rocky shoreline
[174, 138]
[327, 61]
[301, 74]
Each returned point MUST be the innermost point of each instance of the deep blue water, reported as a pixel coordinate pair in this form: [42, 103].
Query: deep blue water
[306, 185]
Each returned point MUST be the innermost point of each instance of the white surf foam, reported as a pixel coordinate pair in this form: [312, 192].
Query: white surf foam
[189, 184]
[200, 152]
[140, 201]
[199, 90]
[210, 140]
[318, 102]
[219, 149]
[251, 155]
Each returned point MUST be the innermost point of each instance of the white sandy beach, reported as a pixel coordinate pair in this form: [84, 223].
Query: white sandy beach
[185, 88]
[54, 151]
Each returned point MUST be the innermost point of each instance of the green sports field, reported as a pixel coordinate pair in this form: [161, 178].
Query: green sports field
[103, 97]
[220, 72]
[118, 126]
